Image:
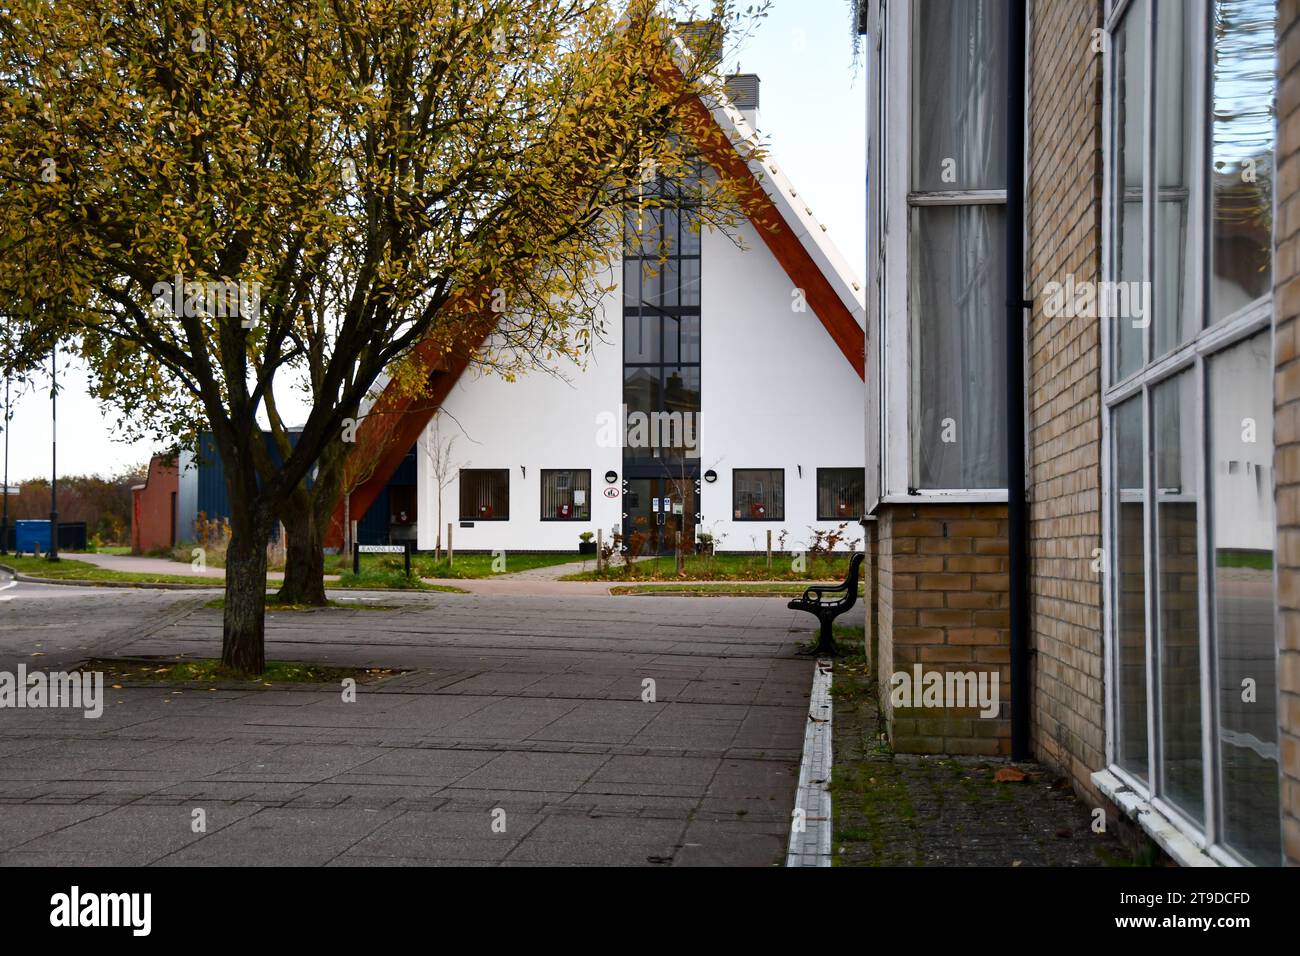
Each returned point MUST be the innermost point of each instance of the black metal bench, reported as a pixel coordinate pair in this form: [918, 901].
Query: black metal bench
[826, 611]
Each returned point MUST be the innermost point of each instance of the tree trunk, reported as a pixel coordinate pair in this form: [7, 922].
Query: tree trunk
[243, 646]
[306, 516]
[437, 547]
[304, 555]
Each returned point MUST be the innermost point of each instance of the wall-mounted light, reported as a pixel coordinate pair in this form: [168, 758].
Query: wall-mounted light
[800, 467]
[522, 471]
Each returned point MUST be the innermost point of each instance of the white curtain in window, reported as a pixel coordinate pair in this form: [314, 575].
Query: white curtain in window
[958, 347]
[959, 76]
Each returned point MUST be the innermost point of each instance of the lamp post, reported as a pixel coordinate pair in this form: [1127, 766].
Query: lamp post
[54, 454]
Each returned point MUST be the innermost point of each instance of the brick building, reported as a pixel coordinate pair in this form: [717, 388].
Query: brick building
[153, 507]
[1124, 164]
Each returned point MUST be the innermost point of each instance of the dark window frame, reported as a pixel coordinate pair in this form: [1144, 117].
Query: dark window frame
[541, 504]
[817, 492]
[735, 504]
[460, 493]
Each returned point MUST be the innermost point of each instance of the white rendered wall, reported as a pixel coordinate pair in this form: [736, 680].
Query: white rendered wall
[538, 421]
[776, 392]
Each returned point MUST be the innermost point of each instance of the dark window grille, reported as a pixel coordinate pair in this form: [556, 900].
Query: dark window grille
[758, 494]
[485, 494]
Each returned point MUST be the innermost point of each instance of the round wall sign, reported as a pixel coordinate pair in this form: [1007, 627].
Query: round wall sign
[611, 477]
[710, 476]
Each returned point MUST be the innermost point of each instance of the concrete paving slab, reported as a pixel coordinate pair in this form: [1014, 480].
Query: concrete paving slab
[279, 836]
[528, 704]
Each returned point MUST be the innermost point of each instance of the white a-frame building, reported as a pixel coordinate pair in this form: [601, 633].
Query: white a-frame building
[725, 399]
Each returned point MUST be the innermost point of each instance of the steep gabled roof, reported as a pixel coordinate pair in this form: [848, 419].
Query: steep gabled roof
[787, 226]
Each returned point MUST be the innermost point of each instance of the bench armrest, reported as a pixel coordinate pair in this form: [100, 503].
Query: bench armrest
[814, 594]
[823, 588]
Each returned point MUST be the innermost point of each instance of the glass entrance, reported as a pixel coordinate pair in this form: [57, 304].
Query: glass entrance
[655, 511]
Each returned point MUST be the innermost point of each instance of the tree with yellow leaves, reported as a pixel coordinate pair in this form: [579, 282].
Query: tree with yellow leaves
[215, 199]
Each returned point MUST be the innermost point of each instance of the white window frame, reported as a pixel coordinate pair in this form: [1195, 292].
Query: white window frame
[889, 322]
[1193, 354]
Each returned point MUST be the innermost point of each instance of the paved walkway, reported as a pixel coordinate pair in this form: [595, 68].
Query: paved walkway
[520, 711]
[552, 573]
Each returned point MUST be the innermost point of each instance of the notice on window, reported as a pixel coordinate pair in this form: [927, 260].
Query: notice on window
[579, 497]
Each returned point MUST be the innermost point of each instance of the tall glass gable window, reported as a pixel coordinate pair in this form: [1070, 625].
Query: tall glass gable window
[1188, 416]
[661, 365]
[661, 325]
[957, 221]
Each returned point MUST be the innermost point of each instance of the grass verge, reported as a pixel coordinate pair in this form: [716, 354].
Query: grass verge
[464, 566]
[1237, 558]
[725, 567]
[69, 569]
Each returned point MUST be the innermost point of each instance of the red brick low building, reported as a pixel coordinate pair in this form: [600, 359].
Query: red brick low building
[153, 507]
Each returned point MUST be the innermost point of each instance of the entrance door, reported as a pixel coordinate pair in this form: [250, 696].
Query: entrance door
[656, 509]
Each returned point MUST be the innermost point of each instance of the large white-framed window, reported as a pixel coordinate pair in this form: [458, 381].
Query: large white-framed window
[937, 332]
[1187, 418]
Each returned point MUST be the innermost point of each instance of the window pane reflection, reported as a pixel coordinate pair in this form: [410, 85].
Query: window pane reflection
[1176, 312]
[1130, 586]
[1242, 153]
[1129, 45]
[1182, 769]
[1241, 454]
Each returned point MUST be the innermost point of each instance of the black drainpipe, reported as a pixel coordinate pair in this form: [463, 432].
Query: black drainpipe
[1017, 509]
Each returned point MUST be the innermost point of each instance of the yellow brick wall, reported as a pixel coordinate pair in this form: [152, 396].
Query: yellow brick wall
[1063, 205]
[942, 602]
[1286, 305]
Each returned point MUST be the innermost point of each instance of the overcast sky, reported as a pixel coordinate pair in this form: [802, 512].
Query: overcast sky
[811, 107]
